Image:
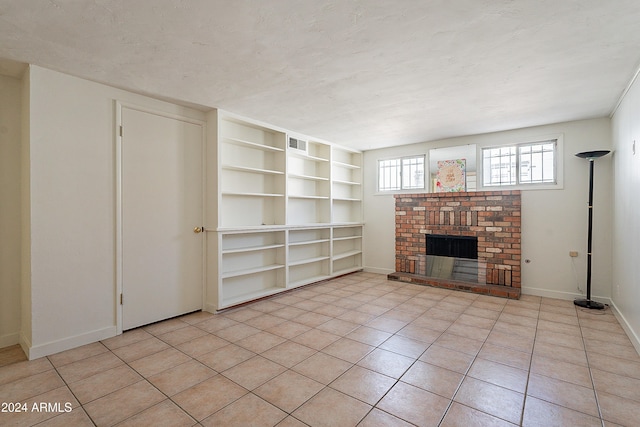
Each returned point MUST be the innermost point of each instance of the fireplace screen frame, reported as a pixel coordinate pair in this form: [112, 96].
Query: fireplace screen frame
[446, 245]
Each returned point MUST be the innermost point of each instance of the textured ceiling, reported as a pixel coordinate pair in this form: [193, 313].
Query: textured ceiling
[368, 73]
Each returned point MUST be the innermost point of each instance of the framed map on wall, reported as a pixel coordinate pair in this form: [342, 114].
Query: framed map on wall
[451, 176]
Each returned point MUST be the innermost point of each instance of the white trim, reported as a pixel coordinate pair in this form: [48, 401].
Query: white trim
[559, 164]
[118, 215]
[25, 343]
[376, 270]
[624, 92]
[211, 308]
[203, 213]
[9, 339]
[67, 343]
[569, 296]
[425, 166]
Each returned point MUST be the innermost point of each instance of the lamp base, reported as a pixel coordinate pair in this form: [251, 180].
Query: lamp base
[587, 303]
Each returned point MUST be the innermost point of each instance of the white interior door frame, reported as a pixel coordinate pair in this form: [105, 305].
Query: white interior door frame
[119, 106]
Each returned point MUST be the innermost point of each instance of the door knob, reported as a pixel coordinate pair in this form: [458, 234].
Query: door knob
[197, 229]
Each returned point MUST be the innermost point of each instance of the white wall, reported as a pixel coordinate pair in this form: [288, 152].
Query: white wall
[554, 222]
[626, 220]
[71, 163]
[10, 133]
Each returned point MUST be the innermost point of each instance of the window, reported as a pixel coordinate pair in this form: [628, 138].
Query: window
[406, 173]
[529, 163]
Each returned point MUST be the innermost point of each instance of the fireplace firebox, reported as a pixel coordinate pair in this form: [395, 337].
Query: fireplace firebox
[452, 257]
[452, 246]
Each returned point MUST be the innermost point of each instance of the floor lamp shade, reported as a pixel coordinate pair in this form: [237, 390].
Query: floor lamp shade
[590, 156]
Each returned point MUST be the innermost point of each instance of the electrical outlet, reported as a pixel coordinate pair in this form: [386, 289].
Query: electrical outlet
[573, 254]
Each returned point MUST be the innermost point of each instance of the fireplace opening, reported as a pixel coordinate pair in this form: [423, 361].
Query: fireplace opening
[452, 257]
[452, 246]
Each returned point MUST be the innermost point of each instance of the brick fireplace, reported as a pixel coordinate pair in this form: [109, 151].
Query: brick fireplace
[492, 217]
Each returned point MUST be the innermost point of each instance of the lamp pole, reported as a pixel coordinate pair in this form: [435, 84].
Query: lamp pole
[588, 303]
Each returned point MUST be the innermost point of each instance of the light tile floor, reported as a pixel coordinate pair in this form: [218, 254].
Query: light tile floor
[357, 350]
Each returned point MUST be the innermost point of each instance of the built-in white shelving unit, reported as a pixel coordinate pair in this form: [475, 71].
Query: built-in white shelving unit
[252, 264]
[252, 174]
[346, 178]
[309, 188]
[309, 255]
[285, 214]
[346, 250]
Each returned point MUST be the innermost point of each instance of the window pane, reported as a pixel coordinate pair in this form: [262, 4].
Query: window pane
[389, 175]
[413, 173]
[537, 164]
[499, 166]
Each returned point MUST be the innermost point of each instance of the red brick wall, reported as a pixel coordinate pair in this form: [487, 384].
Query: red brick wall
[491, 216]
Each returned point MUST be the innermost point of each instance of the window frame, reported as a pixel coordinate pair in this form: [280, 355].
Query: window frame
[557, 183]
[402, 186]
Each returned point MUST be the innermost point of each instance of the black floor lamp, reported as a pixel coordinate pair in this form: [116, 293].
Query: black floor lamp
[591, 156]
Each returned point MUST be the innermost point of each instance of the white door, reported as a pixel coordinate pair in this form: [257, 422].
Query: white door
[161, 206]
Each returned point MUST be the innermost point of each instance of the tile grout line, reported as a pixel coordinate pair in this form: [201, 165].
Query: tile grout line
[198, 422]
[586, 352]
[66, 384]
[466, 373]
[533, 348]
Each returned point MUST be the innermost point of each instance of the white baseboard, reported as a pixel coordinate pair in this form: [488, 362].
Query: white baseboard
[210, 308]
[377, 270]
[25, 344]
[9, 339]
[40, 350]
[633, 337]
[569, 296]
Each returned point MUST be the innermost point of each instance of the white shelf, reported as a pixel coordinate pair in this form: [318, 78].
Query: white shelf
[338, 181]
[300, 196]
[345, 165]
[303, 155]
[242, 142]
[346, 185]
[308, 242]
[251, 249]
[252, 170]
[307, 261]
[238, 193]
[248, 271]
[346, 254]
[347, 199]
[336, 239]
[309, 177]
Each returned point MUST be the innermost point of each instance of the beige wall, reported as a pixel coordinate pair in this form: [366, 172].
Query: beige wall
[10, 134]
[554, 221]
[71, 209]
